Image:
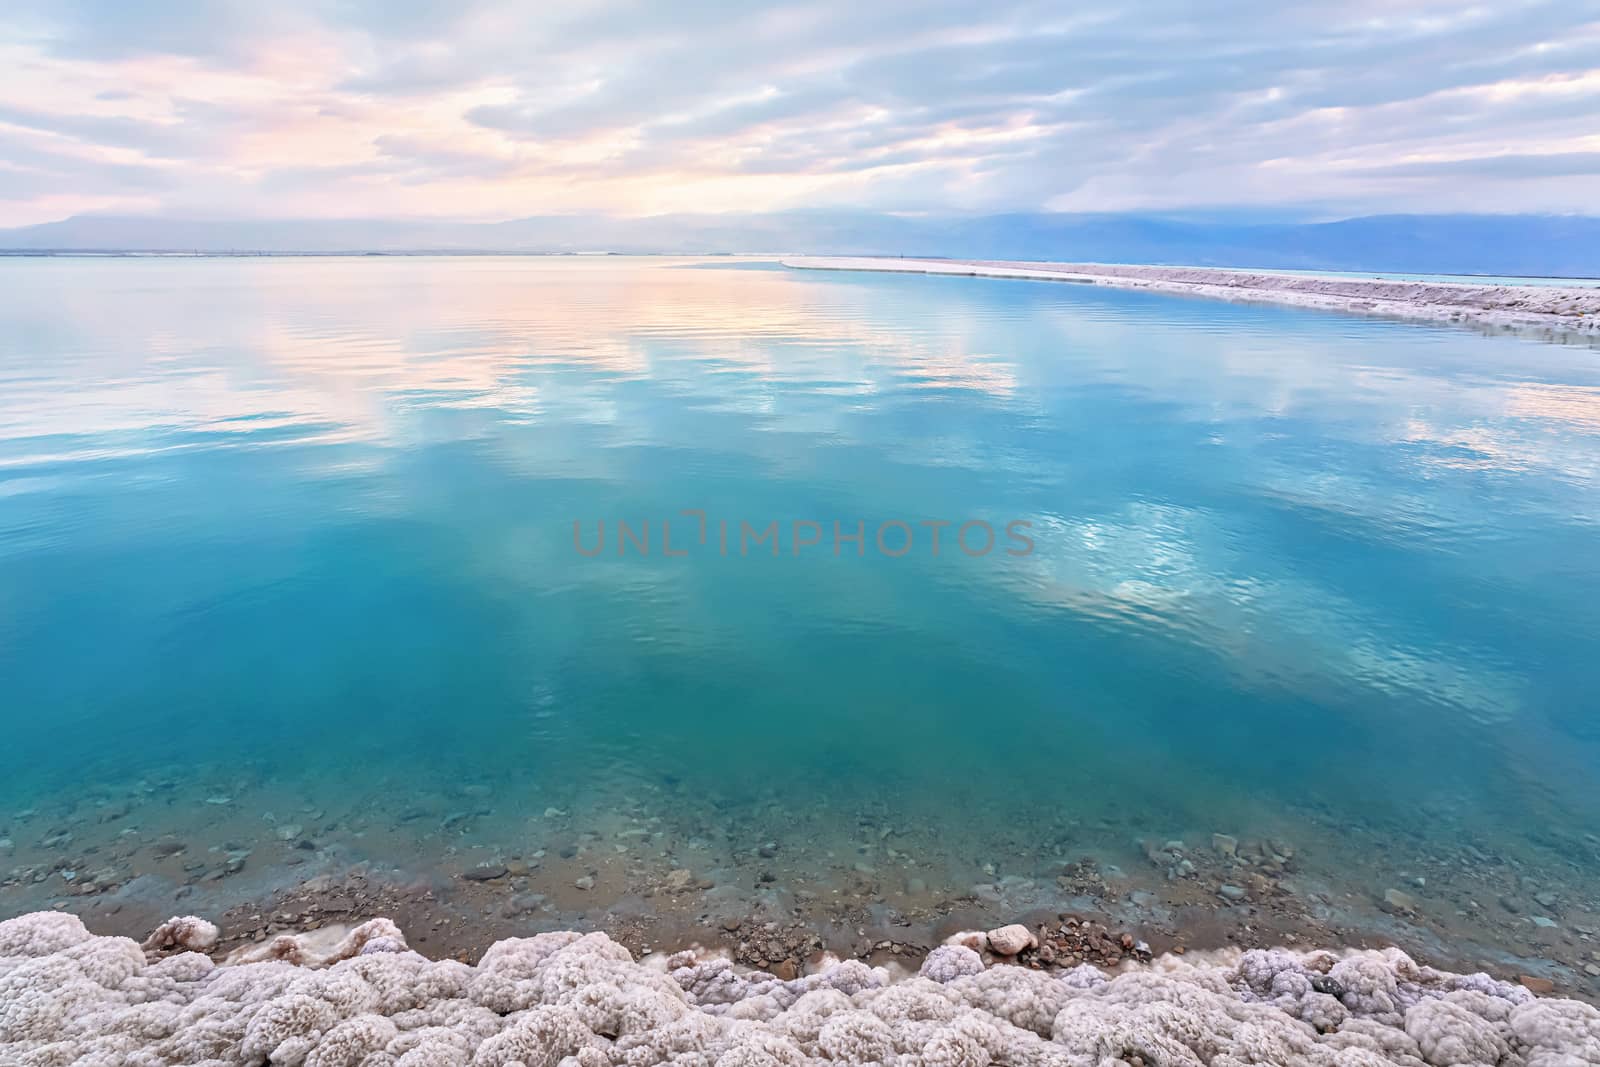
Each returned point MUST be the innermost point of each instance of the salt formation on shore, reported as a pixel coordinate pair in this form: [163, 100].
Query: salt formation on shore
[1557, 310]
[68, 997]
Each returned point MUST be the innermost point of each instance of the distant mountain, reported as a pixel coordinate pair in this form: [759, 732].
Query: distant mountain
[1566, 245]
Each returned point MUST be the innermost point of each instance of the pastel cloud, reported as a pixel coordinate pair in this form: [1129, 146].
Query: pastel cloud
[489, 110]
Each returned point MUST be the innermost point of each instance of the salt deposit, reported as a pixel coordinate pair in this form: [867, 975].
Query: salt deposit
[1558, 310]
[581, 1000]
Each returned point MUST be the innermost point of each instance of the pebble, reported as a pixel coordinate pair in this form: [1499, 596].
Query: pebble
[1225, 844]
[1539, 986]
[585, 883]
[1231, 892]
[1542, 922]
[289, 831]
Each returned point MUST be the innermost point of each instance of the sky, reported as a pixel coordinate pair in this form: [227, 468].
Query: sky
[467, 110]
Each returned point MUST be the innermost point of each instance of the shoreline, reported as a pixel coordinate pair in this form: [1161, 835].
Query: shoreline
[1552, 312]
[457, 913]
[472, 862]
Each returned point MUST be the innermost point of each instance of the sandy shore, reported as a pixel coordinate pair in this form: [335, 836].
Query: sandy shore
[1557, 312]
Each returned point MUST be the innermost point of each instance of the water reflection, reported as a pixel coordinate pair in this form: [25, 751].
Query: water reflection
[318, 512]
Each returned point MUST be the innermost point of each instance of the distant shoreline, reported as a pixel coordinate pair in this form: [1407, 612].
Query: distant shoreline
[786, 258]
[1555, 311]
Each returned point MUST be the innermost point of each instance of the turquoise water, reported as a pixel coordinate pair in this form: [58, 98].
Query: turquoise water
[297, 535]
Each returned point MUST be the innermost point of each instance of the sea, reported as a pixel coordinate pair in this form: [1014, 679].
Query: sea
[629, 585]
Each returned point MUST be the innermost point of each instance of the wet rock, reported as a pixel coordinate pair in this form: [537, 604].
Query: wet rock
[1538, 986]
[289, 831]
[787, 970]
[1546, 899]
[485, 872]
[1511, 904]
[1010, 940]
[1225, 845]
[1542, 922]
[585, 883]
[680, 879]
[1331, 986]
[1232, 893]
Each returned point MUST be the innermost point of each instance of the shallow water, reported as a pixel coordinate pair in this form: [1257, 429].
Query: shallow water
[296, 537]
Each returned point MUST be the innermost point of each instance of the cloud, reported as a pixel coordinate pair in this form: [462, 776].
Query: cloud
[625, 106]
[1508, 165]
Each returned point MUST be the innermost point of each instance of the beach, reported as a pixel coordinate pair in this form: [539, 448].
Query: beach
[1555, 310]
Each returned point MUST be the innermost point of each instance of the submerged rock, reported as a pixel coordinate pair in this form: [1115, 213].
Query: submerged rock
[1400, 900]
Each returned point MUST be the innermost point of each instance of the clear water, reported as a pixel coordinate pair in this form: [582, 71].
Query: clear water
[287, 532]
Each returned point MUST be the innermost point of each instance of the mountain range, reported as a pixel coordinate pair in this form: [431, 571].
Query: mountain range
[1538, 245]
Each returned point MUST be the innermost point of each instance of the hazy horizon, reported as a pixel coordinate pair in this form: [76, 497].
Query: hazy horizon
[1546, 246]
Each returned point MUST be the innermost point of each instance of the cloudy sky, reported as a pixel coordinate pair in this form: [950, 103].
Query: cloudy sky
[462, 109]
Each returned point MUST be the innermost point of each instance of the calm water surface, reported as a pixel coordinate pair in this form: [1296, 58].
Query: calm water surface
[306, 527]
